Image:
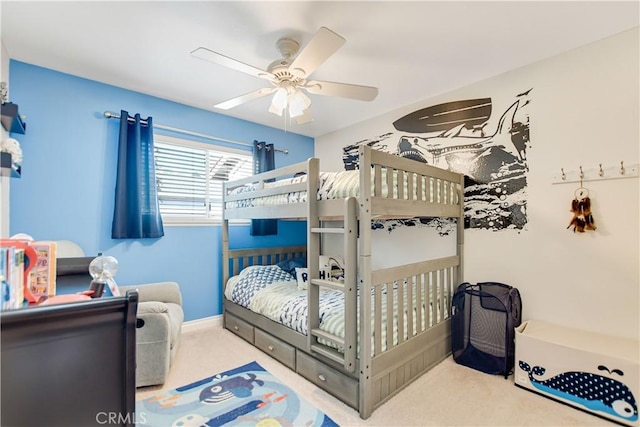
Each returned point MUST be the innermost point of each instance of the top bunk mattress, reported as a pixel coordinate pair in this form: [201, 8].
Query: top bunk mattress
[340, 185]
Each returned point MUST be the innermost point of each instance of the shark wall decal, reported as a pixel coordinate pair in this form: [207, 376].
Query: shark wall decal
[462, 136]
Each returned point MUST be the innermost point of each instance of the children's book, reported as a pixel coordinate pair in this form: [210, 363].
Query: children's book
[19, 259]
[17, 279]
[5, 287]
[42, 278]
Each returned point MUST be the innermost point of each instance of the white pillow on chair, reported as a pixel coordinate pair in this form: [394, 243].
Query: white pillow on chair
[68, 249]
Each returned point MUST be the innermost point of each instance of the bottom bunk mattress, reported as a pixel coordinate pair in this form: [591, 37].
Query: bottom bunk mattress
[276, 294]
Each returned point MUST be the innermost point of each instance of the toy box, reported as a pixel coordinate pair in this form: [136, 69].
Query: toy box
[593, 372]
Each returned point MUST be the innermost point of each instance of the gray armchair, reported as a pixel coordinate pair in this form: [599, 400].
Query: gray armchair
[159, 322]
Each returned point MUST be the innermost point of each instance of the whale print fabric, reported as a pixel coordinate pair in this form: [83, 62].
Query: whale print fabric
[592, 391]
[254, 278]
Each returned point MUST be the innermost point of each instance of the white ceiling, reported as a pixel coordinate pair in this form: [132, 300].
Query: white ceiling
[409, 50]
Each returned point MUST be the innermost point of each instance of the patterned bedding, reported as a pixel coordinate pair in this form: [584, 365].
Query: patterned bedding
[333, 185]
[273, 293]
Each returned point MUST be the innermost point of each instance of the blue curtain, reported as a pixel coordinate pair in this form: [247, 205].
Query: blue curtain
[136, 214]
[263, 161]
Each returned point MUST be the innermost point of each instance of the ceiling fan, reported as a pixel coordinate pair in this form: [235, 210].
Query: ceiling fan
[289, 76]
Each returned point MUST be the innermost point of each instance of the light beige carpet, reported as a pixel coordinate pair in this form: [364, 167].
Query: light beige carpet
[448, 395]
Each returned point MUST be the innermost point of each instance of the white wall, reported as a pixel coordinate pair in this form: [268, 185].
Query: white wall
[584, 111]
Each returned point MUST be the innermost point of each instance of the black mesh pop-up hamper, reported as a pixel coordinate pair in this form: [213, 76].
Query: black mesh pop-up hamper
[483, 322]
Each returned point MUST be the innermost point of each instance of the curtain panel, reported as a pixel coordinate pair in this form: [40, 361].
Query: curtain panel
[136, 213]
[263, 161]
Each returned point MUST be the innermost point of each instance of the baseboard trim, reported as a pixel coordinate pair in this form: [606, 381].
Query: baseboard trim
[204, 323]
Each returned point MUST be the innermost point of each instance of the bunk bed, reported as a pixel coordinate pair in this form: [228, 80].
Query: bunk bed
[403, 310]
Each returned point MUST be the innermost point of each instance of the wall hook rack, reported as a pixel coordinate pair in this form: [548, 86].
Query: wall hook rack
[600, 173]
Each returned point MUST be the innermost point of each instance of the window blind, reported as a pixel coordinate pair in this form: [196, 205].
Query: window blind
[190, 178]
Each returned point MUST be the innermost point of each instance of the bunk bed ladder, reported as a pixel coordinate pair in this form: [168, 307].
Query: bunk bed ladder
[348, 343]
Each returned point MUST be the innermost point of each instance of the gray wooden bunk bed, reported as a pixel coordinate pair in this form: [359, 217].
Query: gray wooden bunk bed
[403, 310]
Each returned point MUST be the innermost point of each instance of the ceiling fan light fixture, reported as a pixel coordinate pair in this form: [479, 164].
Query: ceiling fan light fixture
[279, 101]
[275, 110]
[298, 102]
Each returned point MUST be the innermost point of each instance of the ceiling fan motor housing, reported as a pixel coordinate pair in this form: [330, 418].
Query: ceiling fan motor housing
[280, 67]
[287, 47]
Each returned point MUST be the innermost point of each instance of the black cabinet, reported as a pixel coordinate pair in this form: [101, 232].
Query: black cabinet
[66, 364]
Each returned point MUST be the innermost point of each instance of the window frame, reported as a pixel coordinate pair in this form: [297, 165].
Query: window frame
[195, 220]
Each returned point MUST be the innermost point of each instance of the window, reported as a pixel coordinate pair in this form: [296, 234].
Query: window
[190, 177]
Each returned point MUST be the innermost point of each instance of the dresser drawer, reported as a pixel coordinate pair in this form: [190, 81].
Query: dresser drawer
[334, 382]
[239, 327]
[279, 350]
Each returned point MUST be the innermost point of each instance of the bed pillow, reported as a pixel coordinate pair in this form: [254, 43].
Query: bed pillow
[290, 265]
[302, 276]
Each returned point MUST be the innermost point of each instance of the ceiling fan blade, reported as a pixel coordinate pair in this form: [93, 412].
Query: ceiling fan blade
[323, 44]
[220, 59]
[226, 105]
[343, 90]
[306, 117]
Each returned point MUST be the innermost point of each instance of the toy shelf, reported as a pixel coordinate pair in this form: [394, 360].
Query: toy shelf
[7, 168]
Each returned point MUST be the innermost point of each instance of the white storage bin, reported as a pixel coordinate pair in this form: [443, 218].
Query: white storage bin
[593, 372]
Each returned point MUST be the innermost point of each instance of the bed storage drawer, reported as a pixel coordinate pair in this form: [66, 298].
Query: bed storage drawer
[239, 327]
[334, 382]
[282, 352]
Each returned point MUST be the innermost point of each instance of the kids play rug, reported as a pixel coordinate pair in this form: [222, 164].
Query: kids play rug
[245, 396]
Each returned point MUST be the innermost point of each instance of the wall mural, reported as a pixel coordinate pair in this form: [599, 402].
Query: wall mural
[466, 137]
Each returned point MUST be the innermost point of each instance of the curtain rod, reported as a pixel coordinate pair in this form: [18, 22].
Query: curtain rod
[110, 115]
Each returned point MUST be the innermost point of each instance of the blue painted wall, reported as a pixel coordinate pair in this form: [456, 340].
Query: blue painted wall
[66, 191]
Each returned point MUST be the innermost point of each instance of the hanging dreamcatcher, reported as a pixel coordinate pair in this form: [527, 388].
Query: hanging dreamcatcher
[581, 208]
